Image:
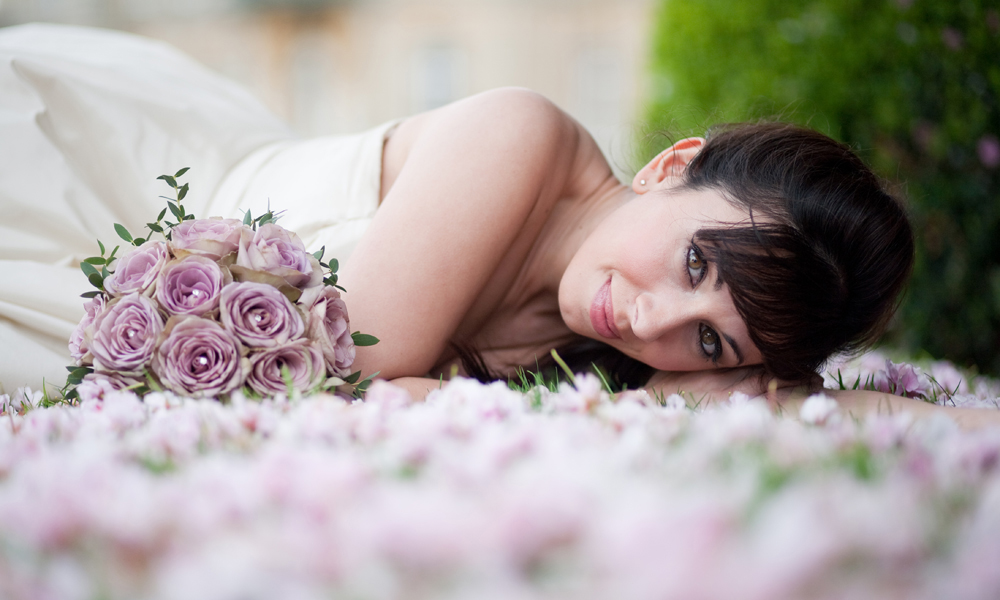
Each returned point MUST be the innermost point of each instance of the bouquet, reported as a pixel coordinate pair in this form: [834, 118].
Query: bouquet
[216, 305]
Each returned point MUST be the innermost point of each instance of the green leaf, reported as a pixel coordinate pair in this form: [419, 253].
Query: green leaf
[363, 339]
[139, 241]
[96, 280]
[319, 253]
[104, 272]
[181, 172]
[87, 268]
[154, 227]
[89, 295]
[182, 192]
[247, 219]
[160, 216]
[170, 180]
[334, 264]
[96, 260]
[353, 377]
[112, 255]
[123, 233]
[188, 217]
[176, 210]
[101, 246]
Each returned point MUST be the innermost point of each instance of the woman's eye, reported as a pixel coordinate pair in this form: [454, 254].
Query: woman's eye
[710, 343]
[696, 265]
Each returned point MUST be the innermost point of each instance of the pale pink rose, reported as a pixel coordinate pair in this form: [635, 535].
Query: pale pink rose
[301, 359]
[125, 334]
[137, 269]
[199, 358]
[275, 251]
[79, 340]
[259, 314]
[190, 286]
[212, 238]
[329, 327]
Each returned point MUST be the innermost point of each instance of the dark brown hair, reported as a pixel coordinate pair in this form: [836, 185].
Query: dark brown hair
[817, 272]
[820, 269]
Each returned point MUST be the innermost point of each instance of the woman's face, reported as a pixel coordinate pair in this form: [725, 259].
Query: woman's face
[640, 283]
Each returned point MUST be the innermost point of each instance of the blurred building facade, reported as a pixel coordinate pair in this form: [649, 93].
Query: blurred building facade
[337, 66]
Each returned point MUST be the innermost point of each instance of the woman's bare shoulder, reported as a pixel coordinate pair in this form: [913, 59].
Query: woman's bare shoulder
[514, 129]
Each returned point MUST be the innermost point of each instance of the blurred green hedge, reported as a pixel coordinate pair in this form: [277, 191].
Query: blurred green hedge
[913, 85]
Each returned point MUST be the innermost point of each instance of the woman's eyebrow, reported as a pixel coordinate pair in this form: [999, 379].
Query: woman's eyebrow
[736, 349]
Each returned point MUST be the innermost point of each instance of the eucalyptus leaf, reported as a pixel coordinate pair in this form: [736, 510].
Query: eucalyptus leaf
[334, 264]
[170, 180]
[101, 246]
[88, 269]
[182, 192]
[96, 280]
[319, 253]
[154, 227]
[162, 214]
[176, 211]
[139, 241]
[247, 219]
[96, 260]
[123, 233]
[112, 255]
[363, 339]
[353, 377]
[89, 295]
[181, 172]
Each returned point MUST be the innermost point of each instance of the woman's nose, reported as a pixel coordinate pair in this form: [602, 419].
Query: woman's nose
[656, 315]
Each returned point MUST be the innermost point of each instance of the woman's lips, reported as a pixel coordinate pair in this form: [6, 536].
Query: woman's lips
[602, 313]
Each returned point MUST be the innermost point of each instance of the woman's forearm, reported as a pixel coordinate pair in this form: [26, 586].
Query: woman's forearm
[863, 403]
[418, 387]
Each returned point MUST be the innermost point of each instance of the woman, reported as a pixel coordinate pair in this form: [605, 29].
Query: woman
[491, 228]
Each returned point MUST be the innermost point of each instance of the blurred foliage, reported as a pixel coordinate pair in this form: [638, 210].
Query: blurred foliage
[913, 85]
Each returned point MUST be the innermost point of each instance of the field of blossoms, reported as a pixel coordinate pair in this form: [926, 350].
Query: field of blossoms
[482, 492]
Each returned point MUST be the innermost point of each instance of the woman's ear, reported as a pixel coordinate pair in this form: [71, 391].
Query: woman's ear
[667, 166]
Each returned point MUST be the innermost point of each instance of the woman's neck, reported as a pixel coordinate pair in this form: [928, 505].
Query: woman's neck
[572, 220]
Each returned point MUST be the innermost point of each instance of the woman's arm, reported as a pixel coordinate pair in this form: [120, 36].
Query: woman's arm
[475, 176]
[706, 387]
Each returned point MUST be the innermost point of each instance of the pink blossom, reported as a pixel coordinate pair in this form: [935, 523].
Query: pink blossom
[300, 360]
[902, 380]
[330, 327]
[988, 149]
[259, 315]
[125, 334]
[212, 238]
[277, 256]
[137, 269]
[199, 358]
[818, 409]
[952, 38]
[79, 340]
[190, 286]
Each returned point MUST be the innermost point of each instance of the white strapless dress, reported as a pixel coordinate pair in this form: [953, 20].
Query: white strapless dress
[89, 119]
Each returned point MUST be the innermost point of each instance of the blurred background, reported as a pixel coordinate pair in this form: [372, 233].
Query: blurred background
[912, 85]
[341, 66]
